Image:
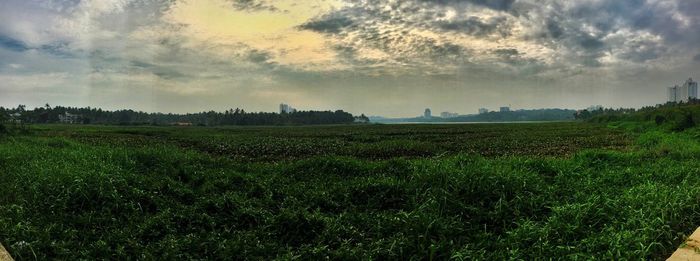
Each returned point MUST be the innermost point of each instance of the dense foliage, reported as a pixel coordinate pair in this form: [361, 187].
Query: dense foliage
[671, 116]
[237, 116]
[350, 192]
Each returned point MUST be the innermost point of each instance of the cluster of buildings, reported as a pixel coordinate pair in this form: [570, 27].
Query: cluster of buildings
[501, 109]
[286, 108]
[683, 93]
[446, 115]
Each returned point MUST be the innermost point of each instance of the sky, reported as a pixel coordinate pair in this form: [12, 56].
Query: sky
[389, 58]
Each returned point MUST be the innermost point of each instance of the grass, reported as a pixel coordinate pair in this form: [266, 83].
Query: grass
[464, 192]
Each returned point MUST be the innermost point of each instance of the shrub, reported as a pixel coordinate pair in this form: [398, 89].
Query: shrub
[659, 119]
[684, 121]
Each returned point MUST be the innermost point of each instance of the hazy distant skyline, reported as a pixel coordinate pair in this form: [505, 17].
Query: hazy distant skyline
[389, 58]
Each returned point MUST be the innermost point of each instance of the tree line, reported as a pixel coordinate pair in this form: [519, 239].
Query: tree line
[672, 116]
[610, 114]
[88, 115]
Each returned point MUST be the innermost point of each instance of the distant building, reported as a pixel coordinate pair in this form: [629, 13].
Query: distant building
[15, 117]
[483, 110]
[182, 124]
[427, 113]
[447, 114]
[285, 108]
[673, 93]
[69, 118]
[689, 90]
[504, 109]
[683, 93]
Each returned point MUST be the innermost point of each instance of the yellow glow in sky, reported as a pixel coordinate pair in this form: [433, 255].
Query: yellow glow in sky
[218, 22]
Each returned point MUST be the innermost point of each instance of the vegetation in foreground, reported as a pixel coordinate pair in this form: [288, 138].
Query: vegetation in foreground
[349, 192]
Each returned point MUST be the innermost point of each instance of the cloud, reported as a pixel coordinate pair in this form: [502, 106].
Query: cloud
[477, 26]
[494, 4]
[12, 44]
[333, 25]
[254, 5]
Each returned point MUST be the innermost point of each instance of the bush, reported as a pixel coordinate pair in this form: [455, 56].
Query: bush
[3, 129]
[659, 119]
[684, 121]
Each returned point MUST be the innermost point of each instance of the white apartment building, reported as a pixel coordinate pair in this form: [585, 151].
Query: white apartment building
[683, 93]
[285, 108]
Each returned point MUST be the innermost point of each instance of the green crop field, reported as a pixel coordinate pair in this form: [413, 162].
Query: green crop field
[357, 192]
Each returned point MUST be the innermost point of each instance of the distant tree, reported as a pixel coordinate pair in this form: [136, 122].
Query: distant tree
[582, 115]
[48, 114]
[362, 119]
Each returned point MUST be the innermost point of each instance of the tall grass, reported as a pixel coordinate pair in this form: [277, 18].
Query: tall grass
[67, 199]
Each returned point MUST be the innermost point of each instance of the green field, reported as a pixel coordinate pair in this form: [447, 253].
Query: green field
[465, 192]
